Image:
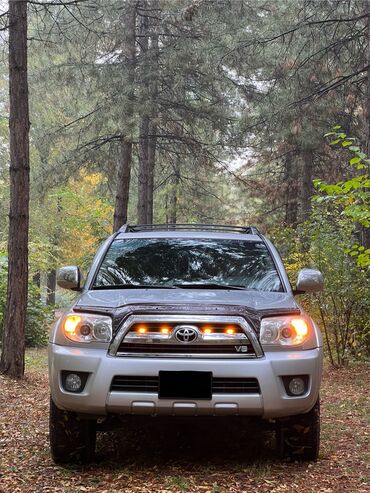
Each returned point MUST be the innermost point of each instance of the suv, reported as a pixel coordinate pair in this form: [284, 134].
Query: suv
[185, 320]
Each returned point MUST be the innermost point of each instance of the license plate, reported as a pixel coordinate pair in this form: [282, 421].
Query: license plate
[185, 385]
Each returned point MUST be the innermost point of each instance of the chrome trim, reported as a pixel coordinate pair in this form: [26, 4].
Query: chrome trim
[191, 356]
[210, 339]
[132, 319]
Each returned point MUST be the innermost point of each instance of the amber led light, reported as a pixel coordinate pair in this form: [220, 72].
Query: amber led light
[300, 327]
[230, 330]
[71, 323]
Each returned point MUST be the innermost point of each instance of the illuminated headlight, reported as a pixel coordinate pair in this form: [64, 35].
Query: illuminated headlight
[284, 331]
[86, 327]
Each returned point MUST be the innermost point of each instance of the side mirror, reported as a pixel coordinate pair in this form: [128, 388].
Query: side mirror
[309, 281]
[69, 278]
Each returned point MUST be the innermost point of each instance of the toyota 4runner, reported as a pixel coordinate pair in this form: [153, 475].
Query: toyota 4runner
[185, 320]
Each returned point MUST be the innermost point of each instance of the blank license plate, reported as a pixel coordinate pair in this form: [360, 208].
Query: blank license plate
[185, 385]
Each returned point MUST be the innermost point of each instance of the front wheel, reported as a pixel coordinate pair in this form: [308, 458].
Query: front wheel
[72, 439]
[298, 437]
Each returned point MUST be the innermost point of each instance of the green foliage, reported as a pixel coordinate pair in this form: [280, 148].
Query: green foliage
[39, 316]
[351, 198]
[343, 307]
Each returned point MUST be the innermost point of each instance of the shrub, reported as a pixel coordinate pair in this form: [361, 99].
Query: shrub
[39, 316]
[343, 308]
[331, 241]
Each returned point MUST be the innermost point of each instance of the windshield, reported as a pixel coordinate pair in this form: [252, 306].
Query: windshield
[177, 262]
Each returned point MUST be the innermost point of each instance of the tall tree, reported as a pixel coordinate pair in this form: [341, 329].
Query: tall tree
[366, 231]
[143, 173]
[152, 143]
[125, 154]
[12, 356]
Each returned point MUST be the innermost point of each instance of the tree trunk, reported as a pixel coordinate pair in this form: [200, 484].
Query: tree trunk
[172, 216]
[152, 144]
[306, 191]
[125, 152]
[367, 12]
[36, 279]
[12, 357]
[366, 231]
[142, 205]
[123, 185]
[143, 174]
[151, 167]
[291, 180]
[51, 282]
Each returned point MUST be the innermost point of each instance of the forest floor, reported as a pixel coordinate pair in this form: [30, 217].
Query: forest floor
[185, 458]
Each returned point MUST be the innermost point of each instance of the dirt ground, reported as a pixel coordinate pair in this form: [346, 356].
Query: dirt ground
[193, 456]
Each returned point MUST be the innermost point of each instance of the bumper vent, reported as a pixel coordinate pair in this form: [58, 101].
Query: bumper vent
[220, 385]
[235, 386]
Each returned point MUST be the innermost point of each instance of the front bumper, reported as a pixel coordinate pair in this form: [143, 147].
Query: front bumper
[97, 399]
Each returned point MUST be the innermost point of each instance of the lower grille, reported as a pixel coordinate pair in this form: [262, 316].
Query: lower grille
[235, 386]
[134, 384]
[220, 385]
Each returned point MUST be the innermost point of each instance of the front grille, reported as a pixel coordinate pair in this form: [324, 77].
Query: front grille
[187, 336]
[164, 349]
[220, 385]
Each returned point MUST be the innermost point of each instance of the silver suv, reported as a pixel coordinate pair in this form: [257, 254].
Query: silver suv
[185, 320]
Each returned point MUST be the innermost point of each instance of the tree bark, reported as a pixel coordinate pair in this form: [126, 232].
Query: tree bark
[367, 12]
[291, 181]
[125, 152]
[12, 357]
[172, 216]
[366, 231]
[123, 185]
[151, 167]
[142, 205]
[306, 191]
[152, 144]
[144, 172]
[36, 279]
[51, 281]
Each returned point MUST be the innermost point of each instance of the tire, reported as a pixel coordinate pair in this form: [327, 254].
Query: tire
[72, 439]
[298, 437]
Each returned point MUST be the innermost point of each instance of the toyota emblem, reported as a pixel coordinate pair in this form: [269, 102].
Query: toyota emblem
[186, 333]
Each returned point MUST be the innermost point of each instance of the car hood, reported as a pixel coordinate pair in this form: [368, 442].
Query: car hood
[254, 300]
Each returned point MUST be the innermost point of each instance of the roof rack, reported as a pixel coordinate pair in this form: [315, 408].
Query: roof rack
[227, 228]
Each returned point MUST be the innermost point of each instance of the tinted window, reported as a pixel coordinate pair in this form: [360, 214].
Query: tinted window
[170, 261]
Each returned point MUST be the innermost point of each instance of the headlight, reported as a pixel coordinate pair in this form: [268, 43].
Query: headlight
[284, 331]
[86, 327]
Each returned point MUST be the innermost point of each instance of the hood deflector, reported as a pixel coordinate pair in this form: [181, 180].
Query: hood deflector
[252, 316]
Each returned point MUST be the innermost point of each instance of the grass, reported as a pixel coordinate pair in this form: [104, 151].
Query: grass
[36, 360]
[179, 483]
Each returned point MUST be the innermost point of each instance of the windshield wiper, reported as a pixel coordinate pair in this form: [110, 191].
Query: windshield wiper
[133, 286]
[209, 286]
